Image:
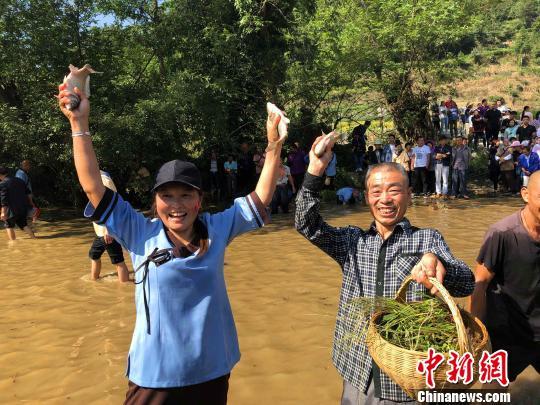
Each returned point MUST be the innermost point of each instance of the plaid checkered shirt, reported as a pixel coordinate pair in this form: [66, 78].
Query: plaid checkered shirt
[372, 267]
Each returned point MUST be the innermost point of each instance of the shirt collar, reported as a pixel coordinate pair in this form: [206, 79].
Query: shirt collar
[404, 225]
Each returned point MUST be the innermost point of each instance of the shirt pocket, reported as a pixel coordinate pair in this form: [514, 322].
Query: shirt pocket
[404, 264]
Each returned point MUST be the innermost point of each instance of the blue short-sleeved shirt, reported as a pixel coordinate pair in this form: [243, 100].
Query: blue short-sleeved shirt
[192, 335]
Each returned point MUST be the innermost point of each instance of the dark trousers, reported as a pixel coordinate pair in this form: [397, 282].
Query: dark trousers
[298, 180]
[494, 173]
[358, 160]
[459, 182]
[231, 185]
[420, 180]
[477, 137]
[280, 199]
[492, 133]
[431, 181]
[509, 180]
[453, 128]
[213, 392]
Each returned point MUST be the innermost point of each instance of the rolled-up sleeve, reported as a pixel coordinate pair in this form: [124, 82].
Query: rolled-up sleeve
[128, 226]
[459, 278]
[308, 222]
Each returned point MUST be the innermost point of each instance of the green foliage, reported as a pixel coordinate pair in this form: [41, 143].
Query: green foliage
[396, 49]
[183, 77]
[179, 78]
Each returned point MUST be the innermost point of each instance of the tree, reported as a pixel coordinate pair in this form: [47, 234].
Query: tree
[398, 49]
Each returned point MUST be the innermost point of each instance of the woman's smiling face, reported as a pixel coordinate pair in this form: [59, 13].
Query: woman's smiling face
[177, 205]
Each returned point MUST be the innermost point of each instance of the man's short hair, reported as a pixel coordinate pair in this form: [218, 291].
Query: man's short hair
[3, 171]
[420, 137]
[386, 166]
[367, 122]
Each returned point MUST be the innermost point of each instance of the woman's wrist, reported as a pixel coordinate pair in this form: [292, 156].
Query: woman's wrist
[79, 125]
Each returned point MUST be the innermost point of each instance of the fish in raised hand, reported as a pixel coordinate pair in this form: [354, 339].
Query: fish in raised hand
[282, 126]
[78, 78]
[323, 143]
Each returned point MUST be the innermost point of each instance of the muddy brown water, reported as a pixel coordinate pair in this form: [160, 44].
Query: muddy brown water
[64, 338]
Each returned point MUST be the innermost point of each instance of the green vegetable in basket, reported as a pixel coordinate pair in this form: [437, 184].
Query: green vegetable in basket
[416, 325]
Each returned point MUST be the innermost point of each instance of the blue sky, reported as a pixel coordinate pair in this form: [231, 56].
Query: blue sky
[103, 20]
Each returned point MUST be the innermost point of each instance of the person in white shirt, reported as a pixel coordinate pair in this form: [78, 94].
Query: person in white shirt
[104, 241]
[420, 163]
[281, 194]
[502, 107]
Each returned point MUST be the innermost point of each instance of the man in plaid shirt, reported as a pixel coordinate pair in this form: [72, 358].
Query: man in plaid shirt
[375, 262]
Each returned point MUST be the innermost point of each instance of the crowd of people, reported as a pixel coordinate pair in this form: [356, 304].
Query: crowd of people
[437, 167]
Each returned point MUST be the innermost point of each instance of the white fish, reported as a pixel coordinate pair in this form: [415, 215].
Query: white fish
[321, 146]
[78, 78]
[282, 126]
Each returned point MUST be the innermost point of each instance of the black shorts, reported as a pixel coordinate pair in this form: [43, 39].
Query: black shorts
[521, 353]
[113, 249]
[19, 220]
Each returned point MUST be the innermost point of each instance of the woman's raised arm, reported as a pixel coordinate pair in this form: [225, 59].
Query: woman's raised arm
[269, 174]
[83, 152]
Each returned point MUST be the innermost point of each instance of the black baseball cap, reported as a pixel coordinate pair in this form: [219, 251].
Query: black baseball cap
[178, 171]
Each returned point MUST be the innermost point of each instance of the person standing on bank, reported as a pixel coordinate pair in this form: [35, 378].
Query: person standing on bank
[104, 241]
[443, 157]
[507, 292]
[184, 343]
[374, 262]
[461, 157]
[420, 163]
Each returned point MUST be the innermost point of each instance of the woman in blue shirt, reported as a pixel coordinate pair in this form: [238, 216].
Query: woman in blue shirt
[184, 343]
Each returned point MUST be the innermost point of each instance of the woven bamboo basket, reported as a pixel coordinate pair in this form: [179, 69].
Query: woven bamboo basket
[400, 364]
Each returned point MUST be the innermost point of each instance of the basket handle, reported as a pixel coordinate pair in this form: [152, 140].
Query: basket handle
[463, 340]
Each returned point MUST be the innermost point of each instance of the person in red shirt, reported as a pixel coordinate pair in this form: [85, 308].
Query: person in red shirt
[449, 103]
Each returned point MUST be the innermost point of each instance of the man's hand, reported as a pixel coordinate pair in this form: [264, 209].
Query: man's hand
[317, 165]
[108, 239]
[429, 266]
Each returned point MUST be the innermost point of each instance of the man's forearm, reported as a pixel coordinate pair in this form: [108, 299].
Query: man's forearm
[478, 300]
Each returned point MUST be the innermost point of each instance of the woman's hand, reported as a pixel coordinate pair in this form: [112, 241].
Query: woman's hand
[272, 127]
[79, 116]
[317, 165]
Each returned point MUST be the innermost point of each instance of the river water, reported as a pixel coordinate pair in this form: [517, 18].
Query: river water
[64, 338]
